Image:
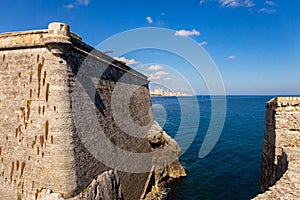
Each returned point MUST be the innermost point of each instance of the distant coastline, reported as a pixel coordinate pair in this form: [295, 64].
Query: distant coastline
[159, 92]
[172, 96]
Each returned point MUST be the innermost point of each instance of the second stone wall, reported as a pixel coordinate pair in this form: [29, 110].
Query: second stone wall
[281, 148]
[109, 101]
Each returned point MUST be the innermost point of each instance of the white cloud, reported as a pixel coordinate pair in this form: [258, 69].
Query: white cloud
[203, 43]
[155, 68]
[151, 77]
[149, 20]
[266, 10]
[158, 75]
[270, 3]
[230, 3]
[126, 60]
[185, 33]
[69, 6]
[249, 3]
[233, 3]
[167, 79]
[78, 3]
[231, 57]
[83, 2]
[161, 73]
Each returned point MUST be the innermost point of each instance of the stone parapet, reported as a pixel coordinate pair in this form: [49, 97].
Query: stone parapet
[288, 186]
[280, 156]
[58, 39]
[285, 104]
[24, 39]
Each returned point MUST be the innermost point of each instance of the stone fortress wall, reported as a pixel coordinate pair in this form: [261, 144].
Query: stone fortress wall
[45, 126]
[281, 150]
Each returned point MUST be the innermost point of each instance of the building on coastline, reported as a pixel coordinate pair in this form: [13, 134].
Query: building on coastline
[157, 92]
[167, 93]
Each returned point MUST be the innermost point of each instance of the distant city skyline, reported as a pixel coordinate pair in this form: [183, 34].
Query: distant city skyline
[167, 93]
[254, 44]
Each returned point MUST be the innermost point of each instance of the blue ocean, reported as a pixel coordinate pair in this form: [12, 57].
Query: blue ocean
[232, 169]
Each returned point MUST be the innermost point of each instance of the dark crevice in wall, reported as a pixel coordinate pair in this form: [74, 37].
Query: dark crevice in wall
[281, 167]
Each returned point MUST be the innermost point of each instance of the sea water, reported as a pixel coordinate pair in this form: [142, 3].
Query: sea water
[232, 169]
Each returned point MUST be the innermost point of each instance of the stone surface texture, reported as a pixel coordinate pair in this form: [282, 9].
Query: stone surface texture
[48, 117]
[106, 186]
[281, 150]
[167, 155]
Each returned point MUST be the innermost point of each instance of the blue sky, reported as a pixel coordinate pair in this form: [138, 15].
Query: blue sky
[255, 44]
